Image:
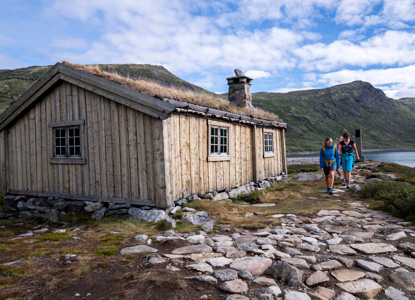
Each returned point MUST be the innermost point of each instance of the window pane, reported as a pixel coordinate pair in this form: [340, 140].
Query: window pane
[63, 151]
[76, 131]
[71, 151]
[77, 141]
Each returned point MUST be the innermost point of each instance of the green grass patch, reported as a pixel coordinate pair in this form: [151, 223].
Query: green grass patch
[407, 173]
[112, 239]
[161, 226]
[397, 197]
[306, 168]
[54, 237]
[253, 197]
[8, 271]
[2, 249]
[108, 251]
[178, 214]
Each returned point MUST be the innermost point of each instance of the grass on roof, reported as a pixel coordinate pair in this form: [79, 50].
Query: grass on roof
[159, 91]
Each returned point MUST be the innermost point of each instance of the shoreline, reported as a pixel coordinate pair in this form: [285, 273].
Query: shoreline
[294, 154]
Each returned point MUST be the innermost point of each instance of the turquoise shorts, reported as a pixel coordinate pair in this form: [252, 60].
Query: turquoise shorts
[347, 162]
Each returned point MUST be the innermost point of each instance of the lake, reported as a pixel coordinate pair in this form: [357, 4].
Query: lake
[406, 158]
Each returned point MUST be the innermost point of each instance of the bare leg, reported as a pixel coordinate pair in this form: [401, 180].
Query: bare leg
[327, 181]
[331, 179]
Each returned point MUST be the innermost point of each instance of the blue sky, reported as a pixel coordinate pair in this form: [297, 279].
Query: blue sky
[284, 45]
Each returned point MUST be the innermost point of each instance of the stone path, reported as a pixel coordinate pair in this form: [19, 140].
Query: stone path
[340, 255]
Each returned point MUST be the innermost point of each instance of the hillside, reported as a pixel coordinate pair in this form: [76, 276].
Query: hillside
[319, 113]
[14, 82]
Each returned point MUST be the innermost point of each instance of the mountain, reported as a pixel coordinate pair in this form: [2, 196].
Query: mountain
[320, 113]
[14, 82]
[313, 114]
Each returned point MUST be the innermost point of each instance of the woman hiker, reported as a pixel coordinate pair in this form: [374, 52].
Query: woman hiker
[339, 139]
[347, 157]
[329, 161]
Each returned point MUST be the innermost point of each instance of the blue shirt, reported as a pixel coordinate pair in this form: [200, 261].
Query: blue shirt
[329, 154]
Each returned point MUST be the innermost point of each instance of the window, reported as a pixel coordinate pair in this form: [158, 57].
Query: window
[219, 134]
[67, 142]
[268, 144]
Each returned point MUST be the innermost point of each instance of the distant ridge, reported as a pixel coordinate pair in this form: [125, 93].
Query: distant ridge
[319, 113]
[314, 114]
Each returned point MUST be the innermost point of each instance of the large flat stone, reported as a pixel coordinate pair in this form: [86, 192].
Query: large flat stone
[297, 262]
[286, 273]
[323, 293]
[342, 250]
[327, 265]
[405, 280]
[234, 286]
[192, 249]
[395, 294]
[317, 278]
[373, 248]
[384, 261]
[410, 262]
[345, 275]
[363, 288]
[255, 265]
[368, 265]
[363, 234]
[137, 249]
[199, 267]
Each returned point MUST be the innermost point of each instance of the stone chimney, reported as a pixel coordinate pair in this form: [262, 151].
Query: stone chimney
[240, 89]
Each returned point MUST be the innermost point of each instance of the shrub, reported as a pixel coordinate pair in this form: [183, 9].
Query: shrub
[299, 168]
[252, 197]
[398, 197]
[407, 173]
[107, 252]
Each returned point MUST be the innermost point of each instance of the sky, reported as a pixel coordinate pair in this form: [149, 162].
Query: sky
[285, 45]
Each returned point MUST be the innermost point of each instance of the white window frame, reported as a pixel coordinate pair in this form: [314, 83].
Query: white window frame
[219, 125]
[67, 159]
[266, 133]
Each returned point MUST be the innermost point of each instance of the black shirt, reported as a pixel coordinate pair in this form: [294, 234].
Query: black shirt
[347, 148]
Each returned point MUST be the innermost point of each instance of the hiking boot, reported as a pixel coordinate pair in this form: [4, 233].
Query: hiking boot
[330, 192]
[341, 181]
[328, 189]
[348, 184]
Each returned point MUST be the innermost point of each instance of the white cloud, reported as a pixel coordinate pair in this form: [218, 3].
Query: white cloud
[256, 74]
[354, 12]
[389, 48]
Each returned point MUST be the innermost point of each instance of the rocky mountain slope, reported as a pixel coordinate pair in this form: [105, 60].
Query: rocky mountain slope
[320, 113]
[314, 114]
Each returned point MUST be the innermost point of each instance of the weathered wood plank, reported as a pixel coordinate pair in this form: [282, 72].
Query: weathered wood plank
[125, 150]
[25, 151]
[116, 148]
[185, 155]
[159, 178]
[109, 148]
[194, 166]
[44, 158]
[32, 125]
[232, 141]
[39, 169]
[249, 156]
[167, 140]
[132, 142]
[201, 165]
[142, 171]
[284, 153]
[12, 159]
[18, 151]
[238, 163]
[148, 138]
[85, 170]
[97, 144]
[66, 114]
[102, 147]
[3, 158]
[77, 170]
[90, 150]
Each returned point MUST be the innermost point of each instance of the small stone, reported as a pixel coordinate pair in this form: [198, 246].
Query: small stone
[291, 295]
[410, 262]
[137, 249]
[374, 248]
[219, 262]
[344, 275]
[323, 293]
[199, 267]
[297, 262]
[255, 265]
[395, 294]
[234, 286]
[236, 297]
[317, 278]
[327, 265]
[334, 241]
[374, 276]
[395, 236]
[275, 290]
[265, 281]
[407, 247]
[246, 274]
[226, 274]
[155, 259]
[286, 273]
[306, 247]
[369, 266]
[141, 238]
[363, 234]
[342, 250]
[204, 278]
[384, 261]
[404, 279]
[192, 249]
[363, 288]
[292, 251]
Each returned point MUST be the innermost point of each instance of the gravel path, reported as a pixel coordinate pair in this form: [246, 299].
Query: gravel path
[302, 160]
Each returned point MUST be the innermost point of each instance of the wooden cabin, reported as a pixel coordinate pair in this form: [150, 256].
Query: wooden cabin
[77, 136]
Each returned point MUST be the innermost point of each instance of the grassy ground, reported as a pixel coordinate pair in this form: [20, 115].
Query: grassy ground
[42, 269]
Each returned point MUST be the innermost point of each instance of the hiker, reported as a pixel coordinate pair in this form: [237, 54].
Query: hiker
[329, 161]
[347, 157]
[339, 172]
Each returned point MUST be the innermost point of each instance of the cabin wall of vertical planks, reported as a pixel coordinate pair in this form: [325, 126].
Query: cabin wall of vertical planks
[188, 171]
[123, 149]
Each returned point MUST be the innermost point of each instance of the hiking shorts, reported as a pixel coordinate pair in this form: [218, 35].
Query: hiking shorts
[328, 169]
[347, 164]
